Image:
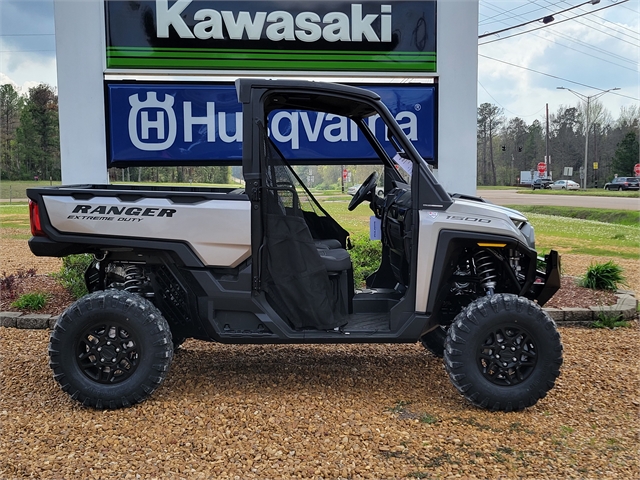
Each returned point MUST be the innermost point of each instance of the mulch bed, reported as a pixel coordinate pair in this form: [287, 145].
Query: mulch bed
[58, 298]
[570, 294]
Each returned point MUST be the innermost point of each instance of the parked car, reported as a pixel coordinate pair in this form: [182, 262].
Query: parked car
[565, 185]
[623, 183]
[540, 183]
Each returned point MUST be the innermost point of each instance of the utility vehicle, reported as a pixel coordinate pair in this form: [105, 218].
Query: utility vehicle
[267, 264]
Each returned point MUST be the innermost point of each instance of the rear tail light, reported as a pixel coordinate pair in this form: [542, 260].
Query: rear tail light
[34, 220]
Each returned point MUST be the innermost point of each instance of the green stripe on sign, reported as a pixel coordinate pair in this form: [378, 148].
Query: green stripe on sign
[274, 59]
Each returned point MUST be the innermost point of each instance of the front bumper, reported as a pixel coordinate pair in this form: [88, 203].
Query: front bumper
[548, 281]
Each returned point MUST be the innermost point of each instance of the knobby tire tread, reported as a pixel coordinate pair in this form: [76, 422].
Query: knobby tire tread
[470, 322]
[149, 321]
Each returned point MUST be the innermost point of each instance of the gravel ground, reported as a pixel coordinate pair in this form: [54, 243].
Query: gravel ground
[352, 411]
[355, 411]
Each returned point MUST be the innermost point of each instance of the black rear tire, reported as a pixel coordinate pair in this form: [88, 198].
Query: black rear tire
[434, 341]
[503, 353]
[110, 349]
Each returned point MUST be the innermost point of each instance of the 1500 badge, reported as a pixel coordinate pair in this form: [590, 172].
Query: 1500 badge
[468, 219]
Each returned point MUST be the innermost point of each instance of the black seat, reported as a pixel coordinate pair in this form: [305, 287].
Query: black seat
[335, 259]
[328, 244]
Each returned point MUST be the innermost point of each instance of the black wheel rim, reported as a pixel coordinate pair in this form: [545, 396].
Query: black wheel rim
[108, 353]
[507, 356]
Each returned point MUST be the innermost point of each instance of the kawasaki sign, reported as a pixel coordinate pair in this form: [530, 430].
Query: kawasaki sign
[269, 35]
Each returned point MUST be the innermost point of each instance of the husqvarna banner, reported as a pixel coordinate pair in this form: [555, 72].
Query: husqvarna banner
[188, 124]
[272, 35]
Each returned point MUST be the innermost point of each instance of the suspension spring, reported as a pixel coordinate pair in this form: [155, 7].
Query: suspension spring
[134, 279]
[486, 270]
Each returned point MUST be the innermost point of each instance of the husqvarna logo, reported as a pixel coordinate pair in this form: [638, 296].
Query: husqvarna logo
[152, 123]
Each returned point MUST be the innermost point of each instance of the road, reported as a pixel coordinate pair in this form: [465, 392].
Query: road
[511, 197]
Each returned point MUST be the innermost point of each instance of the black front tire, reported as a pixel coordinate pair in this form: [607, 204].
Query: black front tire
[110, 349]
[503, 353]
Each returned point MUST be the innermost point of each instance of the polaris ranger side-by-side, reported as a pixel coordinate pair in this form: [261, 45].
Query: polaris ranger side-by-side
[267, 264]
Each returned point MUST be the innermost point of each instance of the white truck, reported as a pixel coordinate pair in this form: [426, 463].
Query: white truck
[267, 264]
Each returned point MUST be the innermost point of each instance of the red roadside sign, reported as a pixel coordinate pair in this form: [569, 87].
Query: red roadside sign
[636, 169]
[542, 167]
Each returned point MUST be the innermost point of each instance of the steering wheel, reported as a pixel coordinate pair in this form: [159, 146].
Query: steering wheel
[367, 186]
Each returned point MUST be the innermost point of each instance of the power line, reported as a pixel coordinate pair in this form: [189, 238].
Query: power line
[584, 44]
[635, 33]
[550, 5]
[598, 58]
[555, 76]
[636, 38]
[545, 20]
[552, 23]
[502, 12]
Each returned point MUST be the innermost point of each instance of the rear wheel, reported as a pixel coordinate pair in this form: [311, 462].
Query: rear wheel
[503, 353]
[110, 349]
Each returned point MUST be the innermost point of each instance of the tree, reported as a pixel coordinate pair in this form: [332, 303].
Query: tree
[10, 106]
[38, 134]
[489, 119]
[566, 142]
[627, 154]
[534, 146]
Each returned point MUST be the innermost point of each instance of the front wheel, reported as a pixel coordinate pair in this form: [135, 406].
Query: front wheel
[503, 353]
[110, 349]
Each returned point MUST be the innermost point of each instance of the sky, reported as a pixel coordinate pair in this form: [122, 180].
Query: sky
[588, 49]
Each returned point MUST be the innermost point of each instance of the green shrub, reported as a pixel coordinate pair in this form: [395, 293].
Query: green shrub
[610, 321]
[71, 275]
[603, 276]
[365, 256]
[31, 301]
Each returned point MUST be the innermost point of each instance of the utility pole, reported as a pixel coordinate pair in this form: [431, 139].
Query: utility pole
[586, 130]
[547, 159]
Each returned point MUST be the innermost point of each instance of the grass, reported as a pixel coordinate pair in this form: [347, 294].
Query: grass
[14, 216]
[590, 192]
[610, 321]
[31, 301]
[629, 218]
[603, 276]
[587, 237]
[598, 236]
[18, 189]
